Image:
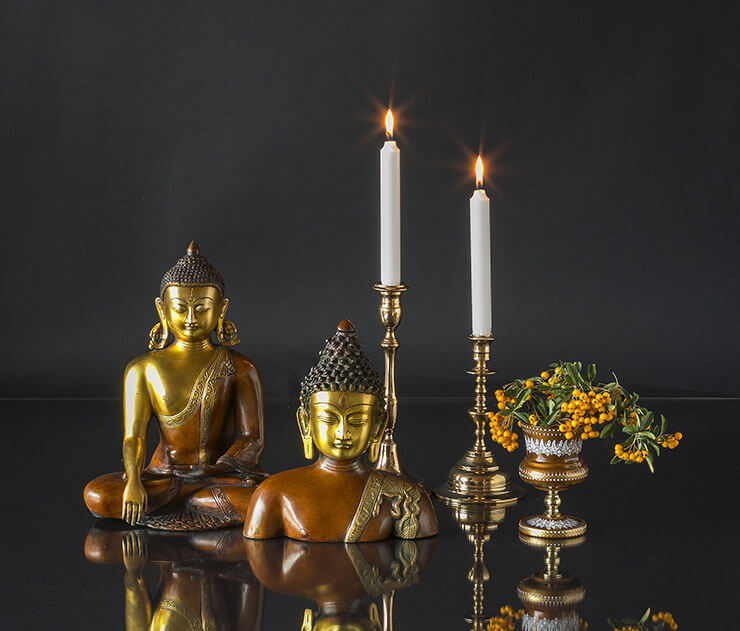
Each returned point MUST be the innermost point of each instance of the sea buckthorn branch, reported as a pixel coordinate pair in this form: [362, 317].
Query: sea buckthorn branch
[565, 398]
[661, 621]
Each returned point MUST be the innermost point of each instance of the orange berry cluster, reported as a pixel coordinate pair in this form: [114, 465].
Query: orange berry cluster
[586, 410]
[501, 431]
[666, 618]
[631, 454]
[506, 621]
[670, 441]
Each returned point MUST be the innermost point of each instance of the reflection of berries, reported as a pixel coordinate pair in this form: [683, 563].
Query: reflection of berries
[506, 621]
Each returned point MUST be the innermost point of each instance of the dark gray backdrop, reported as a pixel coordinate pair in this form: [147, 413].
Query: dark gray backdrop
[127, 130]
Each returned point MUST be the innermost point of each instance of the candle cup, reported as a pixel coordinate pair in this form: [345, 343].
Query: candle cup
[477, 476]
[390, 317]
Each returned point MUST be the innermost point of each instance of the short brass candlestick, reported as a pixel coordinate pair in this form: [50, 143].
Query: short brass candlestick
[390, 317]
[477, 477]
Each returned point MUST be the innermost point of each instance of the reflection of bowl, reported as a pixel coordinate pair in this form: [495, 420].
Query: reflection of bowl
[551, 598]
[552, 464]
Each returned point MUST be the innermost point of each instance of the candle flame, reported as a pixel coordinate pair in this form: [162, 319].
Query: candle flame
[389, 124]
[479, 172]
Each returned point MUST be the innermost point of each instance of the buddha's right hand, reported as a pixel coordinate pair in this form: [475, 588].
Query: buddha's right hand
[134, 502]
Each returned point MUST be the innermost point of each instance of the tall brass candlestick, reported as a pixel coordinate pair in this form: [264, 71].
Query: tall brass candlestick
[390, 317]
[477, 477]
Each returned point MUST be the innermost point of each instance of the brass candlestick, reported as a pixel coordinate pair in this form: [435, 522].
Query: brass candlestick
[390, 317]
[477, 477]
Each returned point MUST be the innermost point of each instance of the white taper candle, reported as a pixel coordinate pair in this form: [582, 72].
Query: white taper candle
[480, 256]
[390, 208]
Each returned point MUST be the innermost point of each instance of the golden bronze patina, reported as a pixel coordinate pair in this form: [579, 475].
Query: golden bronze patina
[339, 497]
[340, 578]
[208, 404]
[477, 476]
[205, 582]
[552, 464]
[390, 317]
[550, 598]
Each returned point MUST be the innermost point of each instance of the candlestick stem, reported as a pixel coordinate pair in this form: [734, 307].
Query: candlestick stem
[477, 476]
[390, 317]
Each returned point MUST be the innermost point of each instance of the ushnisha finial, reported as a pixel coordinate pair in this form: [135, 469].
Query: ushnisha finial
[193, 249]
[345, 326]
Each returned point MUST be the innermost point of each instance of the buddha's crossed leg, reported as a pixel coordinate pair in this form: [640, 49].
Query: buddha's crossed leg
[226, 496]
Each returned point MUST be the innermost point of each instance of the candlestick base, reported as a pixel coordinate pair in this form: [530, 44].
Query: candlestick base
[478, 477]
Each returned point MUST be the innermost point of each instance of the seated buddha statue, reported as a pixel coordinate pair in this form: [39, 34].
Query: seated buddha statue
[204, 581]
[339, 497]
[208, 407]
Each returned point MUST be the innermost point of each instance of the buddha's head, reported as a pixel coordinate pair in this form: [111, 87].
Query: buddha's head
[341, 403]
[191, 303]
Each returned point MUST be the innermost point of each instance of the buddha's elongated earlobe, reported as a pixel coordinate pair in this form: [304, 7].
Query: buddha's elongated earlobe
[304, 426]
[307, 624]
[226, 329]
[377, 435]
[160, 332]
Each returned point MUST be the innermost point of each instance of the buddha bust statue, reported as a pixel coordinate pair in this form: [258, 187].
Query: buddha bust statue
[339, 497]
[208, 404]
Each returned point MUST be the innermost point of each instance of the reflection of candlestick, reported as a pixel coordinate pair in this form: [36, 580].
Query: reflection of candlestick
[478, 521]
[390, 208]
[480, 255]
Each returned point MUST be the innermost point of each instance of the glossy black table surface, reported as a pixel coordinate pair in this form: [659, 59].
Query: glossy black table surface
[666, 541]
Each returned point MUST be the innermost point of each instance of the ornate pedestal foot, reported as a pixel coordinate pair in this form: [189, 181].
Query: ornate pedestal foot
[551, 524]
[477, 477]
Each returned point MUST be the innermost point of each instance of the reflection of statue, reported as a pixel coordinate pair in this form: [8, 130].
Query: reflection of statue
[338, 576]
[205, 582]
[338, 497]
[209, 409]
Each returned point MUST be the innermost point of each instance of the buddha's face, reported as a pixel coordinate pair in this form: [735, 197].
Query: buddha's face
[192, 313]
[344, 423]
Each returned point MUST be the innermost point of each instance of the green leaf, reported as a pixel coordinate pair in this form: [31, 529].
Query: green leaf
[615, 460]
[663, 424]
[607, 431]
[591, 372]
[630, 429]
[646, 420]
[614, 624]
[522, 417]
[645, 616]
[649, 460]
[522, 396]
